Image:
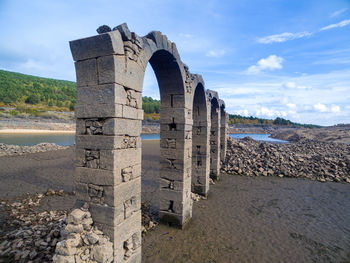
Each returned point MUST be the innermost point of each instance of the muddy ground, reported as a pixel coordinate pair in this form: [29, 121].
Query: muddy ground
[244, 219]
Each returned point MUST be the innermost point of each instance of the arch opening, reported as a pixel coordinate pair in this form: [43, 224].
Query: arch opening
[200, 142]
[175, 145]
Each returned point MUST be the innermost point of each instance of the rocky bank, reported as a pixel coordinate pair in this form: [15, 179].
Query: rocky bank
[9, 150]
[315, 160]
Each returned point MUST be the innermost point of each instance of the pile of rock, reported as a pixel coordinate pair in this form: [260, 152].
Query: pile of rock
[28, 235]
[82, 242]
[308, 159]
[196, 197]
[9, 150]
[148, 219]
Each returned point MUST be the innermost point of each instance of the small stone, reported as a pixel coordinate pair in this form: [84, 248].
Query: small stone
[77, 216]
[93, 238]
[70, 228]
[103, 29]
[87, 223]
[63, 259]
[33, 254]
[50, 192]
[65, 249]
[103, 253]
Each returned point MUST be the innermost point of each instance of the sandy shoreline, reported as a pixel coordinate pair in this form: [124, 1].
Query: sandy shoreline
[244, 219]
[34, 131]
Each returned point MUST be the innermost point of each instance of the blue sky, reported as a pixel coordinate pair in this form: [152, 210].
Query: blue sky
[265, 58]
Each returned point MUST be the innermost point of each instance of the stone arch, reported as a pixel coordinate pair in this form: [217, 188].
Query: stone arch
[223, 130]
[110, 70]
[200, 139]
[215, 117]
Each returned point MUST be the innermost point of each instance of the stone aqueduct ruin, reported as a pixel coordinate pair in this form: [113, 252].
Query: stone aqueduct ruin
[110, 69]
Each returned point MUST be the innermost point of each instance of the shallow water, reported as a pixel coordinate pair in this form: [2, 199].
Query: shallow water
[69, 139]
[257, 137]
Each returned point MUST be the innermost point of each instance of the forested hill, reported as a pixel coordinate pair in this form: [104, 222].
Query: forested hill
[26, 91]
[238, 119]
[16, 88]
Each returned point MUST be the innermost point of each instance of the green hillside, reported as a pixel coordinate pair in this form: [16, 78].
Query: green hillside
[18, 89]
[238, 119]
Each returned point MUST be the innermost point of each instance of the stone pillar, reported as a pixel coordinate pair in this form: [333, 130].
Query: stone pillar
[108, 145]
[215, 141]
[223, 132]
[175, 152]
[200, 142]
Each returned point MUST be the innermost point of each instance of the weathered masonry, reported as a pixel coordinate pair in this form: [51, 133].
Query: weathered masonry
[110, 69]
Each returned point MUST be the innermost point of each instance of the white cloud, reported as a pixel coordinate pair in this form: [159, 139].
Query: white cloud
[270, 113]
[215, 53]
[185, 35]
[272, 62]
[293, 85]
[340, 24]
[320, 107]
[283, 37]
[291, 105]
[338, 12]
[347, 107]
[335, 109]
[244, 112]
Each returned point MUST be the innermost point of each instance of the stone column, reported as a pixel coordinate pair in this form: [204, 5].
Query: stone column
[108, 145]
[215, 142]
[175, 153]
[223, 134]
[200, 142]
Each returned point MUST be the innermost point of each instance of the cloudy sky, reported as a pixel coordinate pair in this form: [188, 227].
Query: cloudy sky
[266, 58]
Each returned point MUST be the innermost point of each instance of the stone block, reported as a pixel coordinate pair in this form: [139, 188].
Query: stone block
[97, 46]
[86, 73]
[123, 231]
[86, 110]
[119, 159]
[173, 100]
[102, 94]
[132, 113]
[157, 38]
[101, 142]
[117, 69]
[173, 174]
[172, 206]
[171, 184]
[174, 164]
[170, 194]
[175, 115]
[172, 153]
[117, 195]
[112, 160]
[120, 126]
[106, 215]
[97, 176]
[177, 220]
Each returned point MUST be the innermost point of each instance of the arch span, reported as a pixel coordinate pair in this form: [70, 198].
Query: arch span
[110, 69]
